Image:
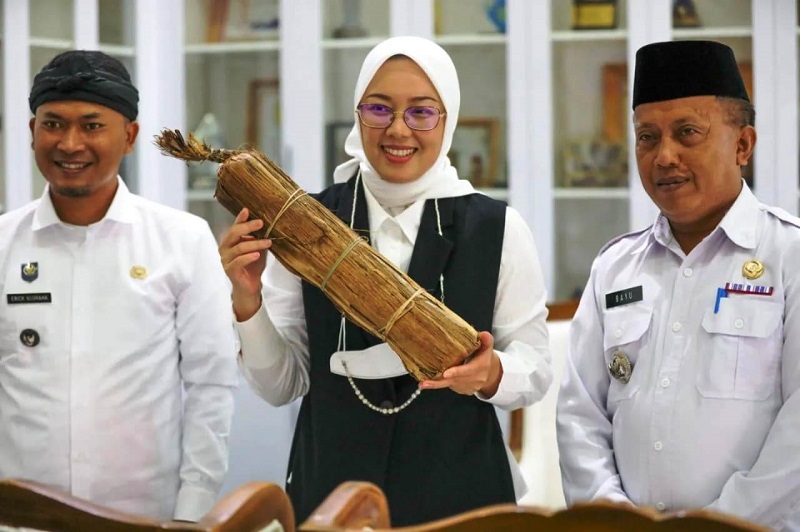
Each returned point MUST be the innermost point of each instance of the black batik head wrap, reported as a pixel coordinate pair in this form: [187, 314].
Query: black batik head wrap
[87, 76]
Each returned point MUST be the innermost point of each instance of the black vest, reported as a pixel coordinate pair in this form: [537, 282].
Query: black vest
[442, 455]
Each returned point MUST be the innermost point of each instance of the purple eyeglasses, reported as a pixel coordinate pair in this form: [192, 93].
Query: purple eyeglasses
[418, 118]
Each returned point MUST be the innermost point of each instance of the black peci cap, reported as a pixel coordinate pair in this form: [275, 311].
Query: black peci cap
[679, 69]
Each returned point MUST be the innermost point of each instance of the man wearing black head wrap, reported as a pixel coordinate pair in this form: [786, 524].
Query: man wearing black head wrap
[681, 388]
[117, 307]
[86, 76]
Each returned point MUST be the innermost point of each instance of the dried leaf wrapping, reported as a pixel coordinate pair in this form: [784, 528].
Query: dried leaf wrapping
[310, 241]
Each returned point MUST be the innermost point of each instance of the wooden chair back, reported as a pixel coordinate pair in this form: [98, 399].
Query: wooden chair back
[255, 506]
[361, 505]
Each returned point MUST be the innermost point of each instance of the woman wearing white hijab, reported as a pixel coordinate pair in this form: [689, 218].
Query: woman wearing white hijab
[436, 448]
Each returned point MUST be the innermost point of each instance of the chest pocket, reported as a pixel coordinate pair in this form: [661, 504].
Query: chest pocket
[625, 330]
[742, 359]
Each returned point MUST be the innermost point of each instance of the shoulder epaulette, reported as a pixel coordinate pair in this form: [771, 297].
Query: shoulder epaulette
[782, 215]
[621, 237]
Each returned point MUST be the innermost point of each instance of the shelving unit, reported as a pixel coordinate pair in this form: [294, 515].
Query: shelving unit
[540, 81]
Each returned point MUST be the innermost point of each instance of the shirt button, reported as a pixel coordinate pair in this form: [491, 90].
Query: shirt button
[687, 272]
[658, 446]
[739, 323]
[618, 333]
[665, 382]
[660, 506]
[676, 326]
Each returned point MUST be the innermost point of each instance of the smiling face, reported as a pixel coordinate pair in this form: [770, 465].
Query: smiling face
[398, 153]
[79, 147]
[689, 152]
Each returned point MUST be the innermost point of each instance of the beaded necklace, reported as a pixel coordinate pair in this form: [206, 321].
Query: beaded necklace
[342, 341]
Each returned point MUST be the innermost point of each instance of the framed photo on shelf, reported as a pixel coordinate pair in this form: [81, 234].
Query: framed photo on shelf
[475, 151]
[594, 14]
[616, 107]
[335, 135]
[263, 121]
[595, 163]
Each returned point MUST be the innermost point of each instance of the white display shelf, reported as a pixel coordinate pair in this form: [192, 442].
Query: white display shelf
[471, 39]
[116, 50]
[731, 32]
[338, 44]
[590, 193]
[233, 47]
[588, 35]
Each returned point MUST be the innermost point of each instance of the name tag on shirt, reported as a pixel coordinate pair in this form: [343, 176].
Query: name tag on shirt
[38, 297]
[623, 297]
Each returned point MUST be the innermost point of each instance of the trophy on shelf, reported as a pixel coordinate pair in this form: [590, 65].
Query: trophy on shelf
[684, 14]
[351, 23]
[594, 14]
[203, 175]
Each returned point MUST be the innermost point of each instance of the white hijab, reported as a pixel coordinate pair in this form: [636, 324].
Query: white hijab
[441, 180]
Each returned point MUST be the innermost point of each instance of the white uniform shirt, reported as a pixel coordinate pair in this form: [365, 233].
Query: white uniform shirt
[96, 407]
[711, 414]
[275, 357]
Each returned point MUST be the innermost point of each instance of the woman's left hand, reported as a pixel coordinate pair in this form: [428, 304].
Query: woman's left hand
[482, 373]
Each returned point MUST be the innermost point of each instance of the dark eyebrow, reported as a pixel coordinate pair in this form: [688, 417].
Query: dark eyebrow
[87, 116]
[675, 123]
[681, 121]
[415, 99]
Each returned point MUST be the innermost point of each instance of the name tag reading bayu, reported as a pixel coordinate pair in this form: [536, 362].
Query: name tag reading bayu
[39, 297]
[623, 297]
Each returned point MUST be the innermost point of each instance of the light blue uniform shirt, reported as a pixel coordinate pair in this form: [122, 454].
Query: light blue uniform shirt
[711, 414]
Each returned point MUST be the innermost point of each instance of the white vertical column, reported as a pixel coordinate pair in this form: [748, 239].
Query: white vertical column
[648, 21]
[530, 124]
[160, 78]
[16, 86]
[411, 17]
[86, 24]
[775, 96]
[302, 99]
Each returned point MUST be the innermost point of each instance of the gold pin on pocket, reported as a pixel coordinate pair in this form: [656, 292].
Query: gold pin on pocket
[138, 272]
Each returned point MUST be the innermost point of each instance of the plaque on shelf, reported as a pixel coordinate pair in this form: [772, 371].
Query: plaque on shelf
[594, 14]
[684, 14]
[351, 21]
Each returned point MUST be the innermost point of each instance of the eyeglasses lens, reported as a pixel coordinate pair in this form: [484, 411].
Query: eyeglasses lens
[420, 118]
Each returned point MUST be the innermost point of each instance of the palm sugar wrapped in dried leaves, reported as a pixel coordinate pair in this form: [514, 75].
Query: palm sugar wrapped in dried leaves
[310, 241]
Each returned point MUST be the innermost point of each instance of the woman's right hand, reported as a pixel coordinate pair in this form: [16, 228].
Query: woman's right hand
[243, 259]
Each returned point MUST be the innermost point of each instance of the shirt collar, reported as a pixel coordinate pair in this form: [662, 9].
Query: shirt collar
[120, 210]
[739, 224]
[408, 220]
